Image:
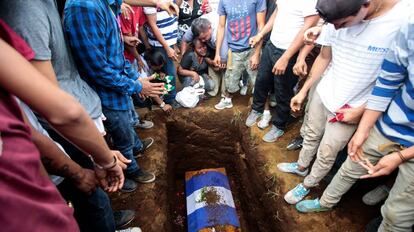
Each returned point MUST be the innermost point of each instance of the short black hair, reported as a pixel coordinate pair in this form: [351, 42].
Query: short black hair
[155, 58]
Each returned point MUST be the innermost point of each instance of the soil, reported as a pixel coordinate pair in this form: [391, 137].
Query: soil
[194, 139]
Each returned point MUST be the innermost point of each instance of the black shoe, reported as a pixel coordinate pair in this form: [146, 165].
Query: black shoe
[374, 224]
[129, 186]
[142, 176]
[123, 218]
[295, 144]
[146, 143]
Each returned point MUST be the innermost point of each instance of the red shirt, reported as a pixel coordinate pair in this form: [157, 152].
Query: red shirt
[131, 26]
[29, 201]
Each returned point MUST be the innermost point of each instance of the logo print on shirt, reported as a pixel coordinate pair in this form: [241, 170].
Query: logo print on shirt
[378, 49]
[239, 22]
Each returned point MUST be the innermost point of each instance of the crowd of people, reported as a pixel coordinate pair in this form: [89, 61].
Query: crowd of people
[72, 73]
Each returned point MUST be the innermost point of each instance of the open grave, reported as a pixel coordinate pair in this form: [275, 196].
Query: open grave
[205, 138]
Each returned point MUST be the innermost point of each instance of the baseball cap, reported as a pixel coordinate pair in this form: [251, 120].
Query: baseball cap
[330, 10]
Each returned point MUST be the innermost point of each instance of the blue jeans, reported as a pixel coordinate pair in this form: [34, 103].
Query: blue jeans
[92, 212]
[119, 124]
[171, 70]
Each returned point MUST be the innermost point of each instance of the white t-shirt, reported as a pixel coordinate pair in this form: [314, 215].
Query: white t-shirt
[168, 26]
[357, 55]
[290, 18]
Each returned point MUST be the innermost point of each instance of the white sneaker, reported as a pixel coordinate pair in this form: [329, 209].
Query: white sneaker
[376, 195]
[243, 90]
[130, 229]
[264, 122]
[225, 103]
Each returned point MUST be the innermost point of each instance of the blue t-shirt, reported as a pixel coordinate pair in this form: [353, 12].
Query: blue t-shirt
[241, 21]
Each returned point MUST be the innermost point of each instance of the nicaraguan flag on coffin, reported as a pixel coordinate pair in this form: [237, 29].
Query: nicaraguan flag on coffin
[210, 205]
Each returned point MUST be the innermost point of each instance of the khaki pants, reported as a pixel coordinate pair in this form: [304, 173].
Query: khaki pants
[217, 77]
[398, 209]
[322, 138]
[239, 61]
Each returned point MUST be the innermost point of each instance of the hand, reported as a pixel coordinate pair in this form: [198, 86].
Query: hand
[311, 35]
[171, 53]
[280, 66]
[131, 40]
[195, 77]
[126, 11]
[385, 166]
[254, 62]
[355, 145]
[170, 7]
[300, 68]
[151, 89]
[297, 101]
[255, 39]
[350, 115]
[167, 109]
[110, 179]
[86, 181]
[206, 8]
[122, 161]
[218, 63]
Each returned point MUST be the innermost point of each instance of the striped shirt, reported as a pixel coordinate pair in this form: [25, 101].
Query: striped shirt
[393, 92]
[357, 54]
[168, 26]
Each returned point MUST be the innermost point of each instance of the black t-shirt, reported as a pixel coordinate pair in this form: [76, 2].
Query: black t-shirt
[190, 62]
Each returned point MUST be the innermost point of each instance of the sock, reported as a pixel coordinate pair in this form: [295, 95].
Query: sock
[266, 112]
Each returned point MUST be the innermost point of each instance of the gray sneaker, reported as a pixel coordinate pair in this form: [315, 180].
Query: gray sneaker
[252, 118]
[376, 195]
[224, 104]
[273, 134]
[144, 124]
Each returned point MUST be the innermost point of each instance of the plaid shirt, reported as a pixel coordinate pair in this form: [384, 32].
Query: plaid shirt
[95, 39]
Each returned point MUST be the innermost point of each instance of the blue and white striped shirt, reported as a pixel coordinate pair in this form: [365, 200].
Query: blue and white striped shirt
[393, 93]
[168, 26]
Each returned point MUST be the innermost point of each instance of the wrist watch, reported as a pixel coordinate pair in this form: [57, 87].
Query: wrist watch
[162, 105]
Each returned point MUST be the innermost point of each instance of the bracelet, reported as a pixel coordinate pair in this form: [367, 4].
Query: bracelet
[106, 167]
[162, 105]
[401, 156]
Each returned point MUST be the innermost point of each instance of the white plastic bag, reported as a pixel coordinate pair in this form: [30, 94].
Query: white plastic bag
[189, 96]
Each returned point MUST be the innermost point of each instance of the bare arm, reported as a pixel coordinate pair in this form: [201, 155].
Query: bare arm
[266, 29]
[301, 68]
[220, 38]
[168, 6]
[297, 43]
[318, 68]
[188, 73]
[152, 22]
[63, 112]
[56, 162]
[144, 38]
[255, 59]
[45, 67]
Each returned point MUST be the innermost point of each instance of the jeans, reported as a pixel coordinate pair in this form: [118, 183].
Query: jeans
[171, 71]
[119, 124]
[283, 85]
[92, 212]
[209, 83]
